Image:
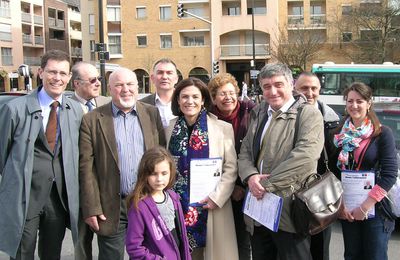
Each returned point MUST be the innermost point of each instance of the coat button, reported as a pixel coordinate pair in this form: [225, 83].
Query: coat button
[50, 179]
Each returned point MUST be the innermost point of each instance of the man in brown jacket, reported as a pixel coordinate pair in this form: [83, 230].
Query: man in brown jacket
[113, 139]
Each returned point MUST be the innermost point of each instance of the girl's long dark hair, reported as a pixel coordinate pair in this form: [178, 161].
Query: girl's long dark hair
[147, 164]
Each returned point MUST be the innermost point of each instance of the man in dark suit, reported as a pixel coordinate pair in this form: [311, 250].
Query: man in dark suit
[164, 78]
[39, 165]
[113, 139]
[86, 82]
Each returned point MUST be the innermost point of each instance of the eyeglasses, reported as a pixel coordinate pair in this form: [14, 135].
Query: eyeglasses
[54, 73]
[226, 94]
[92, 80]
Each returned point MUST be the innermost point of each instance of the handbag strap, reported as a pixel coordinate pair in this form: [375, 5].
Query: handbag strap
[361, 157]
[326, 160]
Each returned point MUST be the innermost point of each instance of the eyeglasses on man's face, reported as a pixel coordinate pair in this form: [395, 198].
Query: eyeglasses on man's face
[92, 80]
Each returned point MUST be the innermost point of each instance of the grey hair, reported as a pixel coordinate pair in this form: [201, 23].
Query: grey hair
[276, 69]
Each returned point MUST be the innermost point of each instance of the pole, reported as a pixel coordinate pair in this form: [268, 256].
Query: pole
[102, 60]
[253, 63]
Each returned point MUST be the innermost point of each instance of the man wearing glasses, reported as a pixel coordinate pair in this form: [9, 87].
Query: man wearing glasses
[87, 84]
[39, 188]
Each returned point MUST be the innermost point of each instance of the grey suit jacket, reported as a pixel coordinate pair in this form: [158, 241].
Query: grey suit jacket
[98, 164]
[21, 122]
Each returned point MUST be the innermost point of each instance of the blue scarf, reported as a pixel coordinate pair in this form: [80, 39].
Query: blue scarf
[184, 148]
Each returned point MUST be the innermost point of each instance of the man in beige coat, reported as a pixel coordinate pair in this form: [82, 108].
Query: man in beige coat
[112, 139]
[276, 158]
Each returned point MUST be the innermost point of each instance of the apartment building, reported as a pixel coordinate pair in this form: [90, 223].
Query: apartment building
[28, 28]
[139, 32]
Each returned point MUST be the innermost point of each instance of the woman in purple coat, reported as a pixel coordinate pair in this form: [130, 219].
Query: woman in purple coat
[156, 227]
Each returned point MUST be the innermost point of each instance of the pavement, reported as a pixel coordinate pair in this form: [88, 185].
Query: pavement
[336, 246]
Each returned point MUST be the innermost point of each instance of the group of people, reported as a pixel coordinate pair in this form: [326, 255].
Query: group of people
[121, 168]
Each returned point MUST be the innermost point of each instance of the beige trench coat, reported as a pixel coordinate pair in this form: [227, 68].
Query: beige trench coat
[221, 237]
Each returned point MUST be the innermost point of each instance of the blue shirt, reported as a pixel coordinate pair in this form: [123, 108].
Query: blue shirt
[130, 146]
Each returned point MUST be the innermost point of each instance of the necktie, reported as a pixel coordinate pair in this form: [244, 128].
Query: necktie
[89, 105]
[51, 129]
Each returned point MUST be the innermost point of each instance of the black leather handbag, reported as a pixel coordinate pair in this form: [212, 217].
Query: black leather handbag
[318, 203]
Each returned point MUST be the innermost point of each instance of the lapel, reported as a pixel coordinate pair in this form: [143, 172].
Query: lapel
[146, 124]
[106, 123]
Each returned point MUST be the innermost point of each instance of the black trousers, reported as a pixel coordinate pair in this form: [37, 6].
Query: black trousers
[269, 245]
[320, 244]
[51, 223]
[83, 248]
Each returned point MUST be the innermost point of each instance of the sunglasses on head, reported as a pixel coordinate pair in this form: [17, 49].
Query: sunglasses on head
[93, 80]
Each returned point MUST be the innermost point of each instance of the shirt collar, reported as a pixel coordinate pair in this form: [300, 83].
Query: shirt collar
[45, 100]
[284, 108]
[160, 102]
[84, 101]
[116, 110]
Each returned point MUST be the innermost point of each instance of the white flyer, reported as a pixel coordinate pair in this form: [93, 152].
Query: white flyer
[204, 177]
[356, 186]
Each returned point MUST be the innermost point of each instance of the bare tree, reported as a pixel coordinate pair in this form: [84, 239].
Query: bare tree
[376, 27]
[297, 46]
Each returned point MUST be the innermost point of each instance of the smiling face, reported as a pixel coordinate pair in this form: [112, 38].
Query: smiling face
[226, 99]
[357, 107]
[309, 86]
[123, 89]
[276, 91]
[164, 76]
[190, 102]
[55, 77]
[158, 180]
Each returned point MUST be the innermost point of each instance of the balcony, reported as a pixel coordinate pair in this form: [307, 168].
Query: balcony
[39, 40]
[76, 52]
[74, 16]
[244, 50]
[27, 38]
[38, 19]
[7, 60]
[26, 17]
[75, 35]
[32, 61]
[60, 24]
[52, 22]
[295, 20]
[5, 12]
[318, 20]
[5, 36]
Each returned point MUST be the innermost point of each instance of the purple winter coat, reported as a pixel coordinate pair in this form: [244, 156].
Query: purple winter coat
[147, 236]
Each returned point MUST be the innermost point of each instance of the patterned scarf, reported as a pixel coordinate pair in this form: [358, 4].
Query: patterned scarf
[184, 147]
[350, 138]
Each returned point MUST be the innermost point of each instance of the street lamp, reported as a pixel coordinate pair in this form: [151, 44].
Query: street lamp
[253, 62]
[101, 56]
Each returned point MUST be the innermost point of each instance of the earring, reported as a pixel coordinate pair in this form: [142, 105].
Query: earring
[367, 111]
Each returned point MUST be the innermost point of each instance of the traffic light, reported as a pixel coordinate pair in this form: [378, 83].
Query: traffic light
[180, 10]
[216, 67]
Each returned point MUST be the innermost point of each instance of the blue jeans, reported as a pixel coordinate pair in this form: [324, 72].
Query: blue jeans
[368, 239]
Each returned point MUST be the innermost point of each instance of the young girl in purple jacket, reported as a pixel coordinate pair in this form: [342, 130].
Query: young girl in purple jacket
[156, 228]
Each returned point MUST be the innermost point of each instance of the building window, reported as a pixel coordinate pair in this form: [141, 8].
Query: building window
[165, 13]
[347, 36]
[347, 9]
[5, 32]
[114, 44]
[141, 40]
[370, 35]
[193, 40]
[91, 24]
[166, 41]
[259, 7]
[316, 9]
[6, 56]
[5, 8]
[114, 14]
[232, 11]
[297, 10]
[141, 12]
